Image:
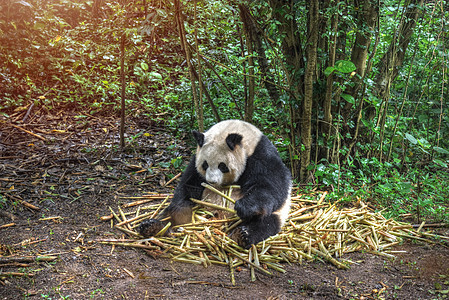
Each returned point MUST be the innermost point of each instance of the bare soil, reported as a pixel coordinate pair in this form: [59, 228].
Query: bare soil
[69, 167]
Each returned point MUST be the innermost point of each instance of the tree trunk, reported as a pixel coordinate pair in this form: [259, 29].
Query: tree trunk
[283, 12]
[199, 75]
[327, 103]
[367, 21]
[123, 90]
[309, 77]
[359, 56]
[392, 60]
[294, 62]
[255, 35]
[249, 103]
[182, 36]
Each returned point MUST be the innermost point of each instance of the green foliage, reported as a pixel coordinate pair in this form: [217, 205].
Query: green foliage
[424, 196]
[3, 201]
[420, 194]
[76, 60]
[342, 66]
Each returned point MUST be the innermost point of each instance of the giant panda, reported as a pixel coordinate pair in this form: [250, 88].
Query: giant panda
[234, 152]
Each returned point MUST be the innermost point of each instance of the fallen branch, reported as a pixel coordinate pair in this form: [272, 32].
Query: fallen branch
[132, 245]
[24, 259]
[67, 280]
[6, 274]
[30, 242]
[29, 132]
[15, 264]
[7, 225]
[106, 218]
[51, 218]
[23, 202]
[29, 205]
[173, 179]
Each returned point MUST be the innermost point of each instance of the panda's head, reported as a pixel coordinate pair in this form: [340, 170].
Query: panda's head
[223, 150]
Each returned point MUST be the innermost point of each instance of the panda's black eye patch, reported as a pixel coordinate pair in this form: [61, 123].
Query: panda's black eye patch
[223, 168]
[205, 165]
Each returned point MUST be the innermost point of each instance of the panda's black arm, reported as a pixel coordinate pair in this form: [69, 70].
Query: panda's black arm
[188, 187]
[261, 197]
[265, 183]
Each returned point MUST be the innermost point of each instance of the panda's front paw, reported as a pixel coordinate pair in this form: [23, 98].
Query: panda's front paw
[246, 211]
[150, 227]
[242, 236]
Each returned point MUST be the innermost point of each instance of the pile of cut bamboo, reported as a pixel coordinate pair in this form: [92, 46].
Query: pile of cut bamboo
[314, 230]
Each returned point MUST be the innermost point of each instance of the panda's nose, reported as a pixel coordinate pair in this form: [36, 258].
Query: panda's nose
[211, 180]
[213, 177]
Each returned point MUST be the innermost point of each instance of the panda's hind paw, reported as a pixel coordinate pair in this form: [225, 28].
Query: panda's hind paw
[150, 227]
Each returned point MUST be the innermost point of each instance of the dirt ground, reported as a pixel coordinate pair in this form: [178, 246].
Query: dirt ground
[61, 175]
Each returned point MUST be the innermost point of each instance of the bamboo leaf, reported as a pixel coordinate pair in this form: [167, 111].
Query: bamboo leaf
[440, 150]
[411, 139]
[345, 66]
[329, 71]
[348, 98]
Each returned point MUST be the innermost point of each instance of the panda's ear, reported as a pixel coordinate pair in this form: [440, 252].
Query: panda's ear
[233, 139]
[199, 137]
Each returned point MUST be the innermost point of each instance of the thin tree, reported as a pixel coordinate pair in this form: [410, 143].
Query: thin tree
[122, 80]
[185, 47]
[249, 103]
[309, 78]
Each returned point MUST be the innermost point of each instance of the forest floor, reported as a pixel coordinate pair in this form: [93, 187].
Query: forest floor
[64, 172]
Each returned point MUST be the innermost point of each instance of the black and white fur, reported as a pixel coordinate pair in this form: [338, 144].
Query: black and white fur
[234, 152]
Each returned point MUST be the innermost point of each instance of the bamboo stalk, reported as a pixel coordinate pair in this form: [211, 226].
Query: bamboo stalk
[133, 219]
[209, 187]
[5, 274]
[234, 252]
[314, 230]
[159, 208]
[7, 225]
[211, 205]
[231, 269]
